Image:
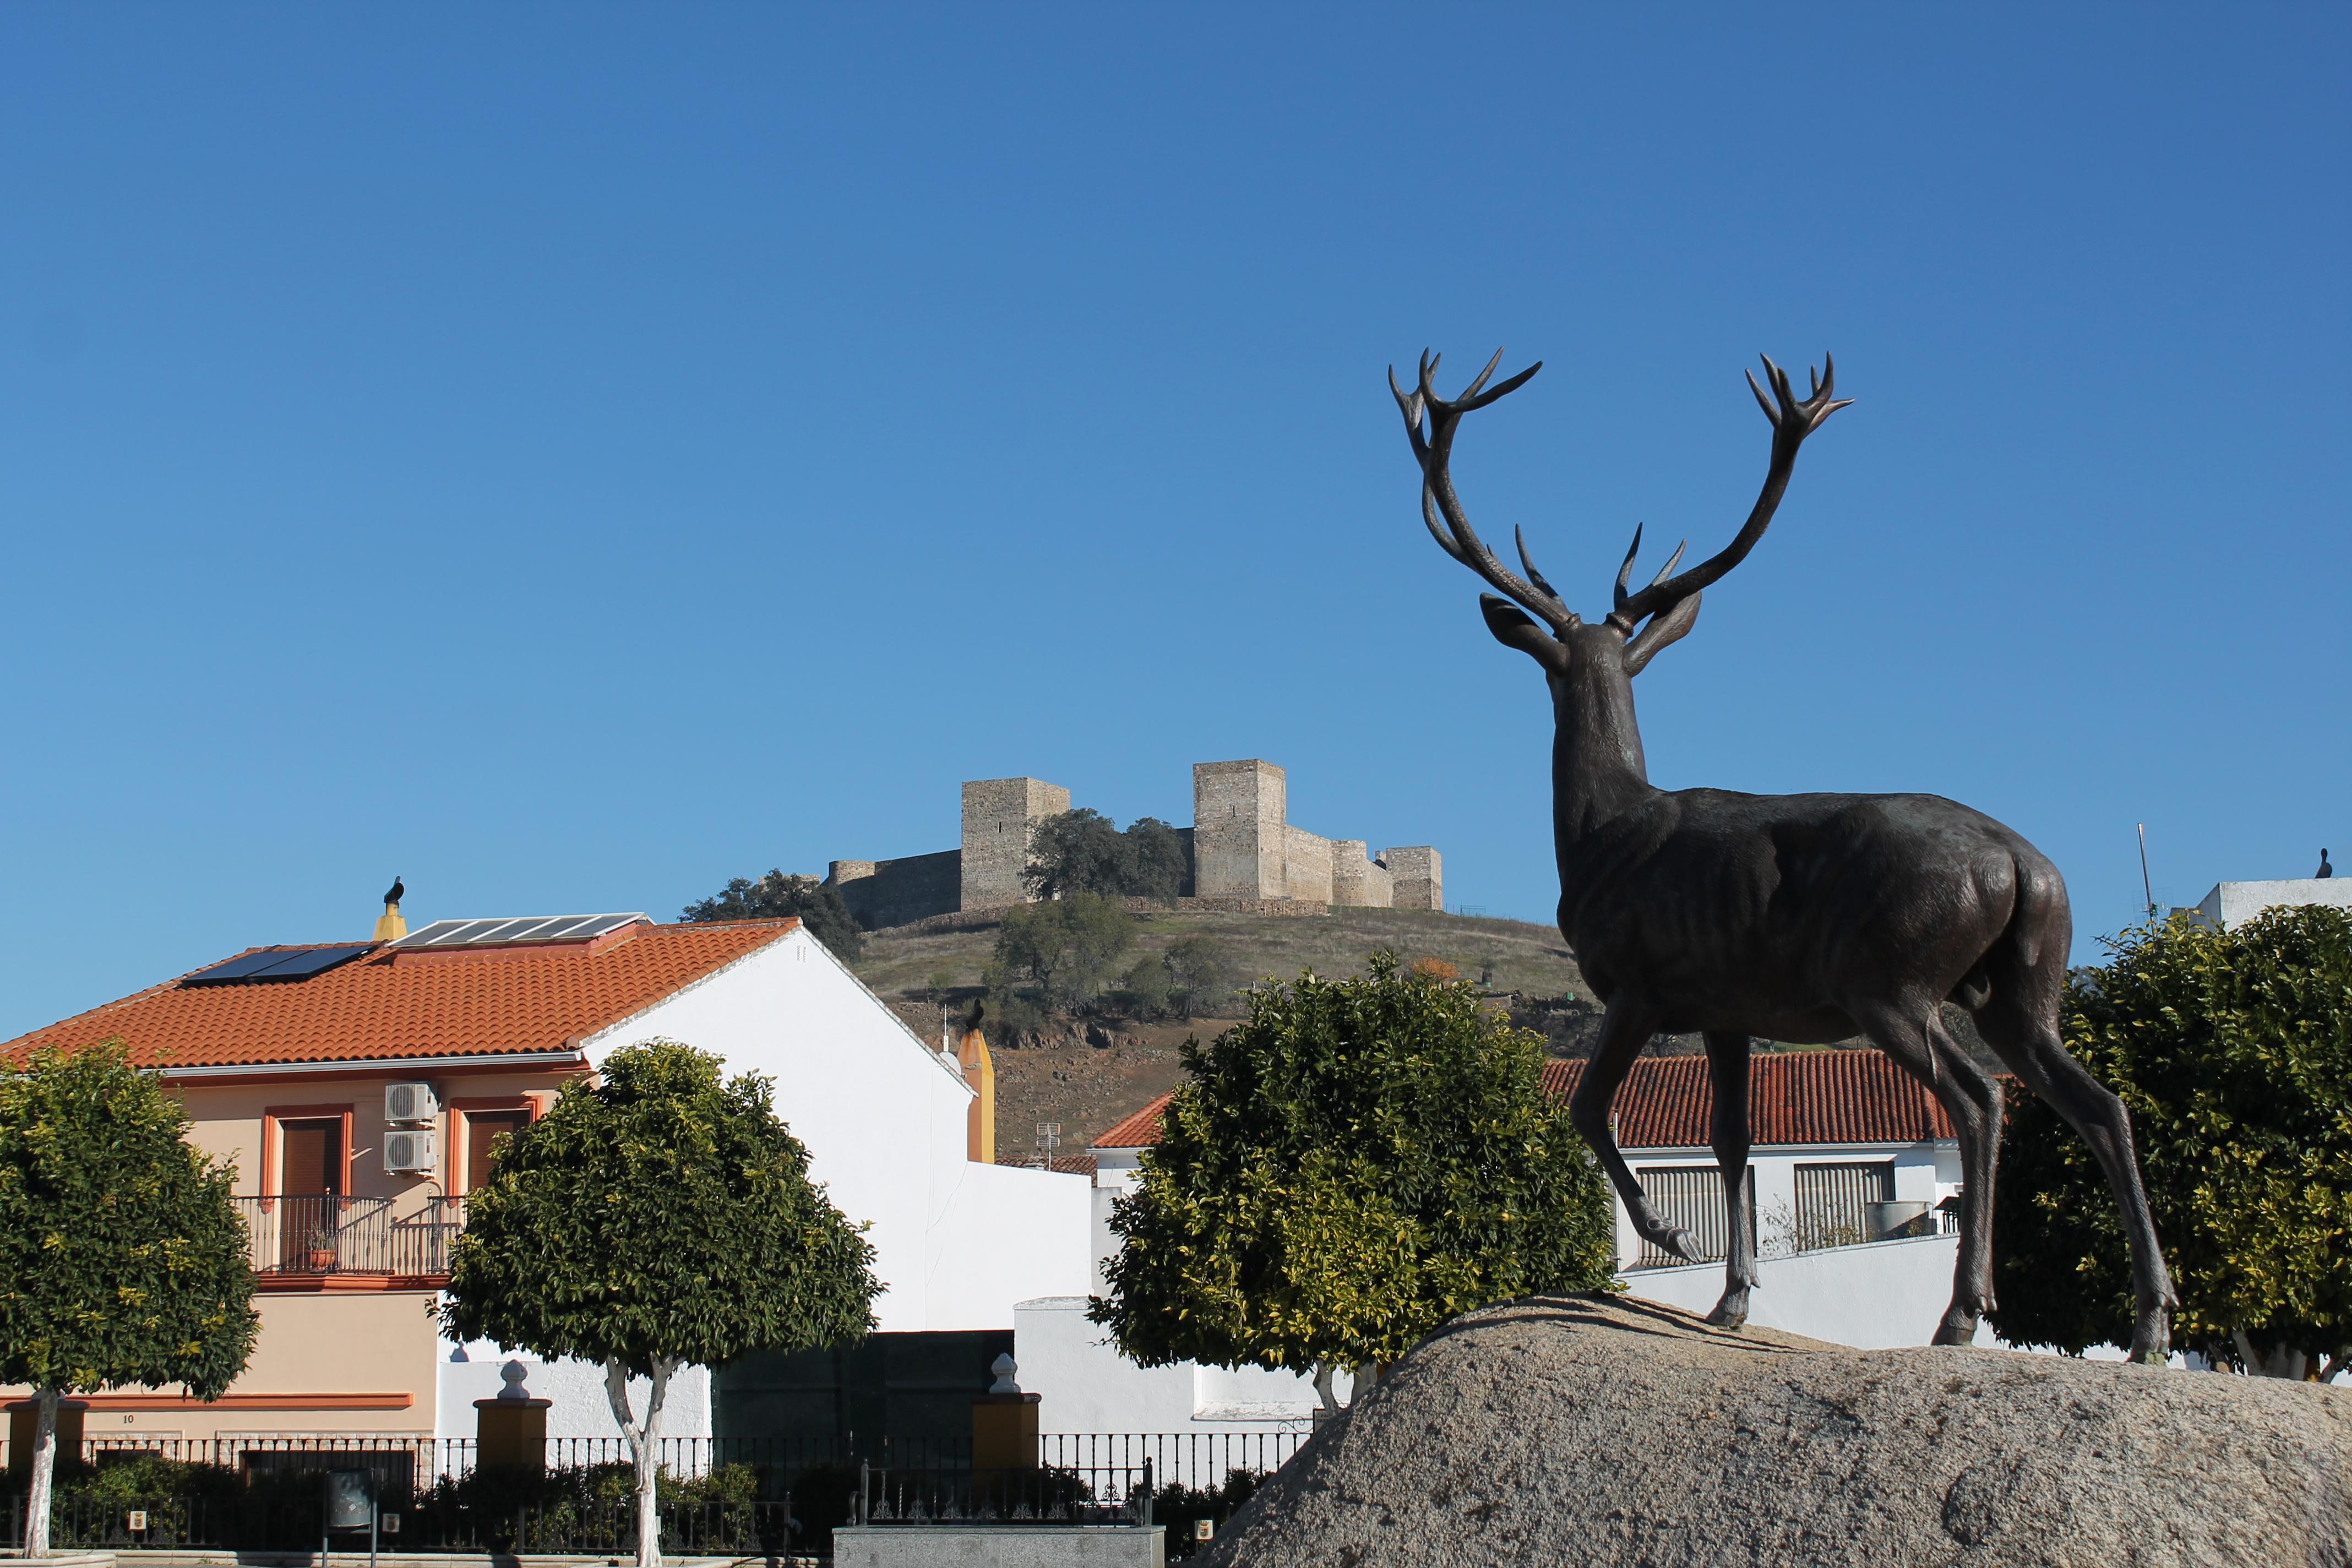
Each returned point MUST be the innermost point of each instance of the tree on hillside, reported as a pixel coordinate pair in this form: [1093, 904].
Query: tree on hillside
[123, 1260]
[1198, 972]
[1155, 859]
[653, 1219]
[1075, 852]
[1065, 949]
[1083, 851]
[815, 904]
[2234, 1052]
[1358, 1163]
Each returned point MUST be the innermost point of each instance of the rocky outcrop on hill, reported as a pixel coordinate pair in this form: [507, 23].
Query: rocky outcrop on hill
[1611, 1431]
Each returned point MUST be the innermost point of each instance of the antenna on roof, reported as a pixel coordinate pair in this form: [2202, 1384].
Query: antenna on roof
[389, 926]
[2145, 888]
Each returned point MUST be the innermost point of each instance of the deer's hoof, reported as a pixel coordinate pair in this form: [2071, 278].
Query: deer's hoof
[1731, 1311]
[1674, 1241]
[1957, 1329]
[2152, 1338]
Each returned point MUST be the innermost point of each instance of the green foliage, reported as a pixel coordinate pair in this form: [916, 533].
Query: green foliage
[122, 1258]
[1199, 973]
[1359, 1161]
[2232, 1050]
[133, 1478]
[816, 904]
[1175, 1506]
[658, 1214]
[1065, 949]
[1082, 852]
[1155, 859]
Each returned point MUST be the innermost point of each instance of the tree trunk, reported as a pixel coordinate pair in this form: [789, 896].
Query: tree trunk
[2284, 1359]
[644, 1449]
[1324, 1372]
[45, 1470]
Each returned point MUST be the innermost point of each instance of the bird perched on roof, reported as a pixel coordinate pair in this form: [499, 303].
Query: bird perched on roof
[399, 888]
[2325, 868]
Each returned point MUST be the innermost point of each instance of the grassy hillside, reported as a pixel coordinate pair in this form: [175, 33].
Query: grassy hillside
[1091, 1083]
[1107, 1068]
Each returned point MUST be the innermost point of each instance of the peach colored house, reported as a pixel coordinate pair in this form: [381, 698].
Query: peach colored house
[352, 1209]
[359, 1090]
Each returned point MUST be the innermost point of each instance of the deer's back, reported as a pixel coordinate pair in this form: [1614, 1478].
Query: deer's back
[1777, 914]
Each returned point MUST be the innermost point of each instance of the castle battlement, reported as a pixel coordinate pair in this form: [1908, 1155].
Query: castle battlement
[1240, 845]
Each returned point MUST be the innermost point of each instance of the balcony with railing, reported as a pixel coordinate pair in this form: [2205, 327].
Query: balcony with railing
[315, 1236]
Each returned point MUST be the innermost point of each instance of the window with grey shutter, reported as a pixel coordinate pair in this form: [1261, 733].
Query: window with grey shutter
[1832, 1202]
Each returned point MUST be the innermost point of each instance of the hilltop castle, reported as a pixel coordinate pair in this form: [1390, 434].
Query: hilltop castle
[1241, 848]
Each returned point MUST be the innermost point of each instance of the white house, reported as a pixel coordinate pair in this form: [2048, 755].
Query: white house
[1850, 1160]
[2231, 903]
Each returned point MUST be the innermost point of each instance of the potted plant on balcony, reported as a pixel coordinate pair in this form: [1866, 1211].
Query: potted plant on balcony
[318, 1252]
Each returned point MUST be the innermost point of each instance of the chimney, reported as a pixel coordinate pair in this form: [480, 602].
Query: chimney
[389, 926]
[980, 1073]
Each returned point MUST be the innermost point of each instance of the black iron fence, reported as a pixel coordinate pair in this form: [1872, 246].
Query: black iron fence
[288, 1519]
[1197, 1459]
[1028, 1494]
[716, 1495]
[319, 1234]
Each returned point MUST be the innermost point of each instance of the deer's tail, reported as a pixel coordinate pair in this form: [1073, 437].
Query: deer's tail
[2039, 924]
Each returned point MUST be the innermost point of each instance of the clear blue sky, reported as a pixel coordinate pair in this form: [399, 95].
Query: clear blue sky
[569, 456]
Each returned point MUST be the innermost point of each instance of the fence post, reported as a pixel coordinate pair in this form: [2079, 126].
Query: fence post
[1147, 1491]
[863, 1480]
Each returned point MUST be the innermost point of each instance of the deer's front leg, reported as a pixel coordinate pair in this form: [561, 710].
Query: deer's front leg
[1625, 1028]
[1727, 1072]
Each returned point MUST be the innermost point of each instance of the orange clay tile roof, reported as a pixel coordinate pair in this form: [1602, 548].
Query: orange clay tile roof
[393, 1003]
[1793, 1098]
[1140, 1131]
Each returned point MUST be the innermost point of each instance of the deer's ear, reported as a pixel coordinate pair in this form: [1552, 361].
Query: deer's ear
[1671, 626]
[1514, 627]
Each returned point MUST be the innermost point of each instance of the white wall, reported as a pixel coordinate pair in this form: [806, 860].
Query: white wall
[883, 1117]
[1084, 1384]
[2231, 902]
[1874, 1297]
[579, 1408]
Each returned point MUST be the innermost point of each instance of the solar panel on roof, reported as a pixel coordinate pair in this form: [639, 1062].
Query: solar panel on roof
[520, 930]
[305, 962]
[278, 963]
[236, 968]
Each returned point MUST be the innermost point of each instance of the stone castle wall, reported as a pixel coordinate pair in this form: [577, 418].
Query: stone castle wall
[895, 892]
[1243, 855]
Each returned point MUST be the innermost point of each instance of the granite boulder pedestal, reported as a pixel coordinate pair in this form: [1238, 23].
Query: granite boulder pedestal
[1585, 1432]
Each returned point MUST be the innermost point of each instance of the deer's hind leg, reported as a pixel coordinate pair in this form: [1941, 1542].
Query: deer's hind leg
[1625, 1028]
[1912, 1037]
[1974, 1104]
[2023, 1031]
[1727, 1072]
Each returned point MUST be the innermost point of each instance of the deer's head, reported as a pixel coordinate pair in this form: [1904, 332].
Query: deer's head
[1590, 666]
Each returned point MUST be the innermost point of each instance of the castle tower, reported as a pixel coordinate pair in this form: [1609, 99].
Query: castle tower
[1241, 841]
[1357, 879]
[1000, 817]
[1418, 875]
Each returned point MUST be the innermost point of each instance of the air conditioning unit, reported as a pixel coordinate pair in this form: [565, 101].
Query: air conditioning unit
[411, 1102]
[409, 1154]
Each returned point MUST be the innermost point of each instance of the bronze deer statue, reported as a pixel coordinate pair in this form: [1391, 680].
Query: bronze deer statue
[1803, 917]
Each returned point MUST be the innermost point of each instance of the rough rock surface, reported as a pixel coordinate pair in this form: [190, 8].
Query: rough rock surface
[1608, 1431]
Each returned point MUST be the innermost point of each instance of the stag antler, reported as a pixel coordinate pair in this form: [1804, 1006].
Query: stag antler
[1434, 448]
[1794, 419]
